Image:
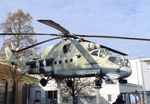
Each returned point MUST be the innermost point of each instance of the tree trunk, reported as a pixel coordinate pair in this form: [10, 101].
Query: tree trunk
[74, 99]
[14, 86]
[73, 94]
[14, 92]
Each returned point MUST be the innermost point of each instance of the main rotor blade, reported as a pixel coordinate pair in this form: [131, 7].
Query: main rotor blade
[113, 50]
[28, 34]
[37, 44]
[55, 25]
[114, 37]
[110, 49]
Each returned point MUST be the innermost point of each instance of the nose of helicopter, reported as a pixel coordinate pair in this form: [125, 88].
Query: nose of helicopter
[125, 71]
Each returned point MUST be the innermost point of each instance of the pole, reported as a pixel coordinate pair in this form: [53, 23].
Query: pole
[98, 96]
[59, 95]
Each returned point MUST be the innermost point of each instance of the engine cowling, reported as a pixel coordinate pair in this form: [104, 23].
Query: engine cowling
[40, 66]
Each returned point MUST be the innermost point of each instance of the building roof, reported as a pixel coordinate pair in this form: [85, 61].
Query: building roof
[6, 73]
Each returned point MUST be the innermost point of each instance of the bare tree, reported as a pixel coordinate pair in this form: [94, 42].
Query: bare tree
[77, 87]
[17, 22]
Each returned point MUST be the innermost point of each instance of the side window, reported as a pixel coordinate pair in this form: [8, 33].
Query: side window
[60, 62]
[66, 48]
[55, 62]
[95, 53]
[71, 60]
[101, 52]
[109, 98]
[66, 61]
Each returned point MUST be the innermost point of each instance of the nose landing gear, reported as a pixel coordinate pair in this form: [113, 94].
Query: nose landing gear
[122, 81]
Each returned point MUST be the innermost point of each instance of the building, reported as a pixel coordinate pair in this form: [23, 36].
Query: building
[47, 94]
[139, 84]
[23, 83]
[141, 74]
[109, 93]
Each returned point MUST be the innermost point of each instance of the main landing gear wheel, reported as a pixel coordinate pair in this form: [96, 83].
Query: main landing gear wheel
[98, 83]
[69, 83]
[44, 81]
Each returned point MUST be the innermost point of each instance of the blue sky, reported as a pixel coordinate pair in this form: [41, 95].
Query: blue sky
[104, 17]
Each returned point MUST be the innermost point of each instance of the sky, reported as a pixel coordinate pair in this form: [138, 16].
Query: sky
[102, 17]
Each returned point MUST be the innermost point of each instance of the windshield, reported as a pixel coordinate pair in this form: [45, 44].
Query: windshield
[117, 60]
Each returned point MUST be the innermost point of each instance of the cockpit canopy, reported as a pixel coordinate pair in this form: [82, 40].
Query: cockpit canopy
[100, 52]
[114, 58]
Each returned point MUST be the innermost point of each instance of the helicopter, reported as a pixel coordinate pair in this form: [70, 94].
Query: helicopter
[76, 57]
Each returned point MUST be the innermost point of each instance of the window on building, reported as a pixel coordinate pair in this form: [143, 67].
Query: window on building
[52, 94]
[51, 97]
[2, 94]
[55, 94]
[38, 95]
[109, 97]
